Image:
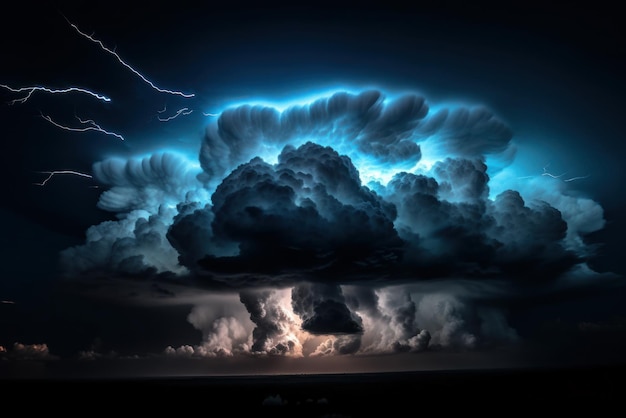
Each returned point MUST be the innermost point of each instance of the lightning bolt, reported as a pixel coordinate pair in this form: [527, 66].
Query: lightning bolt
[576, 178]
[92, 126]
[558, 177]
[30, 90]
[124, 63]
[57, 172]
[183, 111]
[547, 173]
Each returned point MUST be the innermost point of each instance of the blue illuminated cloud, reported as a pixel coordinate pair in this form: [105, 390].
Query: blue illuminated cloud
[139, 183]
[280, 195]
[381, 135]
[335, 198]
[143, 193]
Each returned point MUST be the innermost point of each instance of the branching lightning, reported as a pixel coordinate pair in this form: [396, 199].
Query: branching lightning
[57, 172]
[30, 90]
[92, 126]
[125, 64]
[547, 173]
[183, 111]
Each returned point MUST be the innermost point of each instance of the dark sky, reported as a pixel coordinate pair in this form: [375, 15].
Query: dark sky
[292, 256]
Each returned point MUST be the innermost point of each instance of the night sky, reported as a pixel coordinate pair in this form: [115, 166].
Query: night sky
[306, 189]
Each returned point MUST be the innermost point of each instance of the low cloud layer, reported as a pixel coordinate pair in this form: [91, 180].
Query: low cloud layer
[27, 352]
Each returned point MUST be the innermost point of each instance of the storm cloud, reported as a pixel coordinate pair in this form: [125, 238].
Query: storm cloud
[277, 211]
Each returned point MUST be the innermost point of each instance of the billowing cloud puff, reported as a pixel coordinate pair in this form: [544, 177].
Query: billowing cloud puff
[470, 132]
[276, 326]
[308, 214]
[225, 326]
[582, 214]
[537, 247]
[323, 310]
[322, 216]
[338, 345]
[145, 183]
[135, 246]
[143, 193]
[389, 318]
[462, 180]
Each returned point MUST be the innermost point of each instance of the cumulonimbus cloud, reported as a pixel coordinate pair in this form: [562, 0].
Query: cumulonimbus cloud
[277, 200]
